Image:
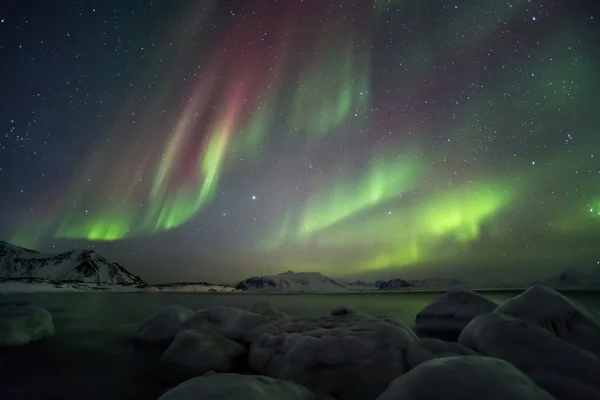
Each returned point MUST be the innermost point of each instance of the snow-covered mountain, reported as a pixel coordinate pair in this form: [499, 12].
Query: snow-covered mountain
[439, 283]
[393, 284]
[571, 279]
[360, 286]
[74, 265]
[188, 287]
[291, 282]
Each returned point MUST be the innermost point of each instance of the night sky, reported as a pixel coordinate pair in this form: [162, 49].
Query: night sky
[213, 140]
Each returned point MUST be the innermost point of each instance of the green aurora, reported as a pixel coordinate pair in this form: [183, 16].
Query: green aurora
[366, 142]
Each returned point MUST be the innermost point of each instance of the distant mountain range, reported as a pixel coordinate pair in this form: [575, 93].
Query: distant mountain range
[81, 270]
[291, 282]
[75, 265]
[571, 279]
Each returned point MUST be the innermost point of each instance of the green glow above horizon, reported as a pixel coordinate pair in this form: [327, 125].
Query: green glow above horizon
[384, 180]
[417, 133]
[439, 227]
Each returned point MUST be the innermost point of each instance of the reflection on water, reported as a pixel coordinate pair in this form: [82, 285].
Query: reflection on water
[92, 355]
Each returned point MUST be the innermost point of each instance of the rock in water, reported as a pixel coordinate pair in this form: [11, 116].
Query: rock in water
[231, 322]
[163, 325]
[21, 324]
[551, 310]
[465, 378]
[530, 348]
[452, 311]
[349, 357]
[237, 387]
[196, 353]
[428, 349]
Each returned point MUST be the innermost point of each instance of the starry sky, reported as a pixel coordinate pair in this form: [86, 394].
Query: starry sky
[213, 140]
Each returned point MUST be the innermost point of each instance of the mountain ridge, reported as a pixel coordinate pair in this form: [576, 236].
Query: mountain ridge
[73, 265]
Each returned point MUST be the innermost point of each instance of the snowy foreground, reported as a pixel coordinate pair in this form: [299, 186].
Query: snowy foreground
[539, 345]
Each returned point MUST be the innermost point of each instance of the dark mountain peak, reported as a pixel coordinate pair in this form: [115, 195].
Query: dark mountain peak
[392, 284]
[73, 265]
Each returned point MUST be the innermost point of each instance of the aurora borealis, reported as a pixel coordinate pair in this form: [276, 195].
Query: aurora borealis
[207, 140]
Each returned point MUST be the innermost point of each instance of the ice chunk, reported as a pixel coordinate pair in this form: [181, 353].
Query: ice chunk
[452, 311]
[196, 353]
[21, 324]
[530, 348]
[349, 357]
[237, 387]
[163, 325]
[554, 312]
[231, 322]
[465, 378]
[428, 349]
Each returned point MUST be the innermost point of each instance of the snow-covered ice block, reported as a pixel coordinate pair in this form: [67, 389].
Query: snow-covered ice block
[163, 325]
[231, 322]
[196, 353]
[428, 349]
[452, 311]
[21, 324]
[237, 387]
[464, 378]
[551, 310]
[530, 348]
[349, 357]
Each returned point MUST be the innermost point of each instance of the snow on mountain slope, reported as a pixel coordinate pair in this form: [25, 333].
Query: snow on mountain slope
[291, 282]
[571, 279]
[189, 287]
[361, 286]
[439, 283]
[393, 284]
[74, 265]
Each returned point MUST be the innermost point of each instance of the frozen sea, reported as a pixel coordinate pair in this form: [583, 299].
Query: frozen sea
[92, 354]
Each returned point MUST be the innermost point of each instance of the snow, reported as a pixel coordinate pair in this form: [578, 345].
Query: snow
[551, 310]
[74, 265]
[361, 286]
[191, 288]
[530, 348]
[34, 285]
[426, 349]
[235, 387]
[292, 282]
[163, 325]
[452, 311]
[231, 322]
[393, 284]
[349, 357]
[465, 378]
[571, 279]
[21, 324]
[42, 286]
[196, 353]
